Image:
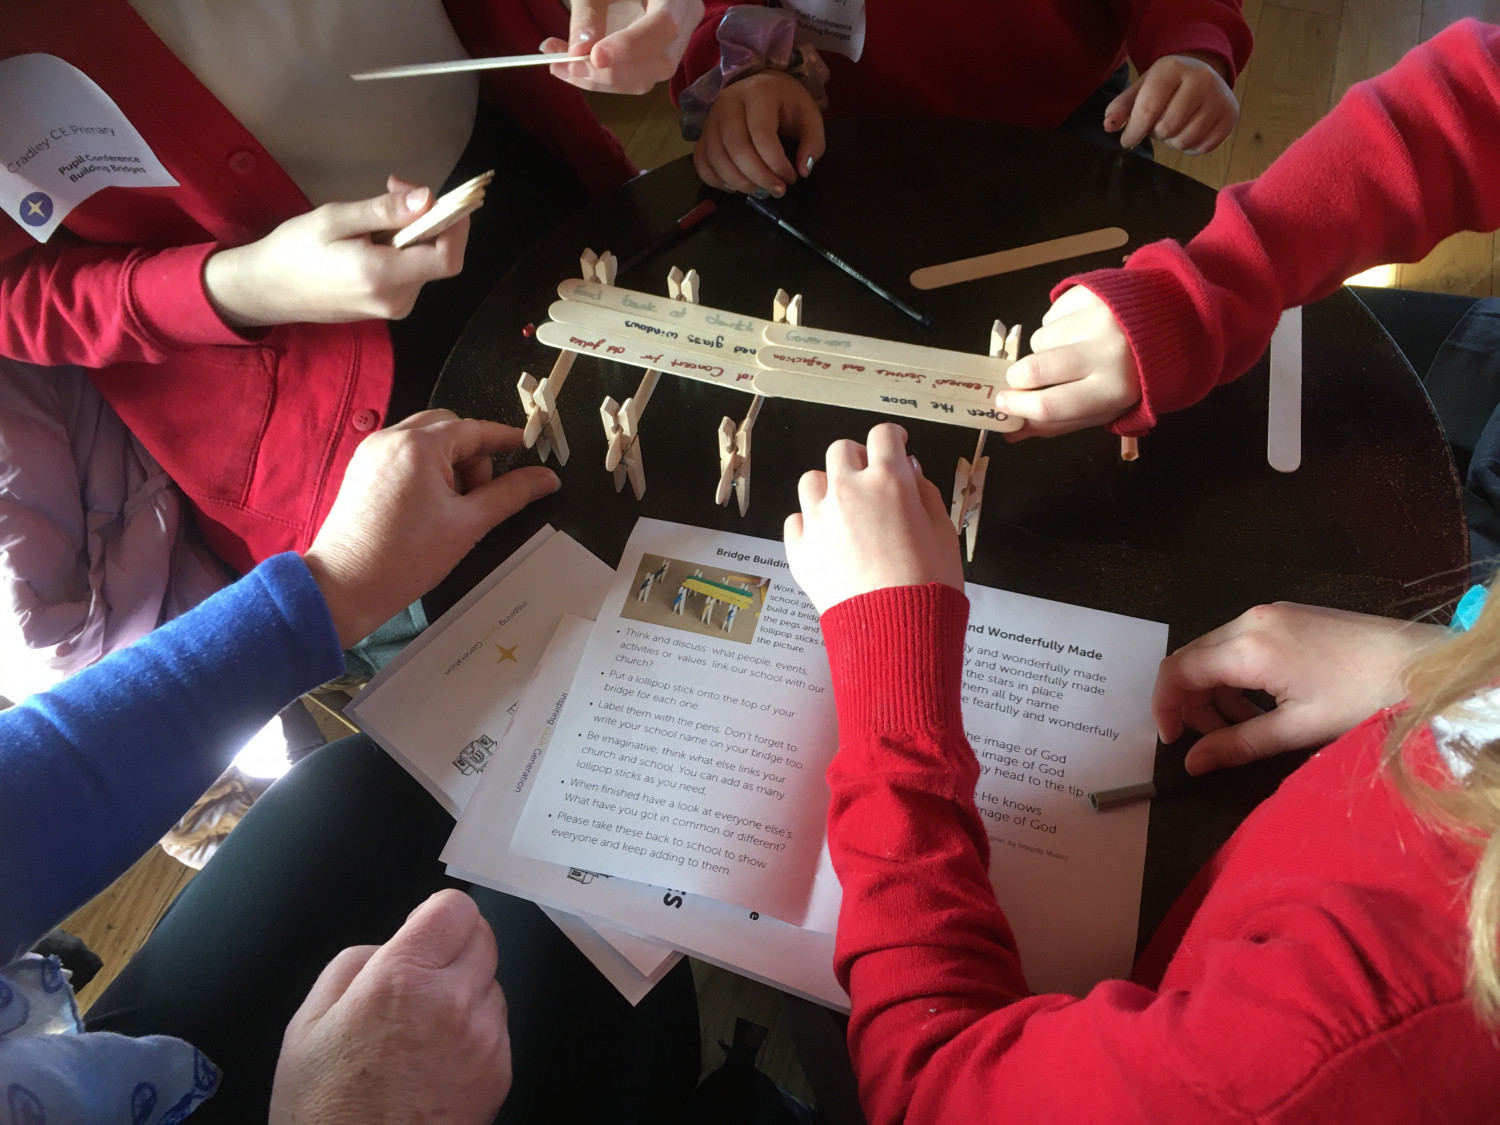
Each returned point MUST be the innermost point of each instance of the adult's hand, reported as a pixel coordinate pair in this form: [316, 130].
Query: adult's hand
[740, 149]
[1185, 101]
[324, 268]
[626, 47]
[412, 1030]
[871, 521]
[415, 499]
[1327, 669]
[1080, 373]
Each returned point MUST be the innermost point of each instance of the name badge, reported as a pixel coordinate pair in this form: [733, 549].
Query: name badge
[62, 139]
[831, 25]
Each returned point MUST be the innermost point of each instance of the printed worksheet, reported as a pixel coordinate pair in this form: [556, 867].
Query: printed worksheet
[442, 706]
[665, 918]
[692, 750]
[1056, 702]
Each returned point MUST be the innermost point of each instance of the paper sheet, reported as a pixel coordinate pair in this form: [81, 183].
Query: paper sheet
[62, 139]
[442, 706]
[604, 953]
[692, 750]
[1056, 702]
[742, 941]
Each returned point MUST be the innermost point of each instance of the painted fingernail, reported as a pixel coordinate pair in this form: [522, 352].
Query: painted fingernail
[762, 193]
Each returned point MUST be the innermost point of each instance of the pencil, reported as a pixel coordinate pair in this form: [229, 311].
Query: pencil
[1101, 800]
[833, 259]
[683, 225]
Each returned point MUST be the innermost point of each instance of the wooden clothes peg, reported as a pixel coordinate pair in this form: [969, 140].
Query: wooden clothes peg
[968, 494]
[734, 440]
[968, 481]
[544, 430]
[622, 455]
[734, 457]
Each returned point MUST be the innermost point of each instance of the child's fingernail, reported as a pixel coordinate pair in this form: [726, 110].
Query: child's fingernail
[807, 166]
[416, 199]
[602, 58]
[762, 193]
[728, 186]
[915, 465]
[778, 191]
[580, 36]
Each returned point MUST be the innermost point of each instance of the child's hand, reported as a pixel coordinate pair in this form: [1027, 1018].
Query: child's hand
[1326, 668]
[322, 267]
[1081, 371]
[1182, 100]
[740, 149]
[624, 48]
[870, 522]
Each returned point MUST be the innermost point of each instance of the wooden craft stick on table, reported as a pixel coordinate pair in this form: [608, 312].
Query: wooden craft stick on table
[1284, 409]
[1018, 258]
[460, 66]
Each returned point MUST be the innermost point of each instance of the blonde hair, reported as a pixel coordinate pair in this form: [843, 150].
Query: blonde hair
[1443, 682]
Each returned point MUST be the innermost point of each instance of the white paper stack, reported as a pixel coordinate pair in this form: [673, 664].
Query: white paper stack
[659, 787]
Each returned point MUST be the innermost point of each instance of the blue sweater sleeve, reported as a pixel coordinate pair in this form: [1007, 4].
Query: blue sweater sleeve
[95, 771]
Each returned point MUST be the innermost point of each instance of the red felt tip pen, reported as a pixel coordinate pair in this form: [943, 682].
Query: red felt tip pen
[682, 226]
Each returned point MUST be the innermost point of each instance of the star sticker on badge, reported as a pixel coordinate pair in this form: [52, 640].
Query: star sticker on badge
[507, 654]
[34, 207]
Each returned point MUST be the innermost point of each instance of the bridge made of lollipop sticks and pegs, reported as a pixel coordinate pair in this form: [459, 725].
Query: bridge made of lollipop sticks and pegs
[776, 358]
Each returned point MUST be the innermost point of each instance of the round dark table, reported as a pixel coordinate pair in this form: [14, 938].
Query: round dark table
[1192, 534]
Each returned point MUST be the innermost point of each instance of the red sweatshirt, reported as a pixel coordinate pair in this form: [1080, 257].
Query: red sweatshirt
[1402, 162]
[1314, 973]
[256, 428]
[1031, 62]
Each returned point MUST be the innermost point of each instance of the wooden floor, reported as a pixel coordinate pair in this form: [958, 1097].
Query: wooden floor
[1307, 53]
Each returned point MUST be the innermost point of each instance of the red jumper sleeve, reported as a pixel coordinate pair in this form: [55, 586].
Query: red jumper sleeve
[1276, 1025]
[702, 53]
[1402, 162]
[99, 305]
[1156, 28]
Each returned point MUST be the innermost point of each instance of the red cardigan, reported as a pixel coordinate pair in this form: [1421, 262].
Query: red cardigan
[1033, 62]
[1314, 972]
[255, 428]
[1402, 162]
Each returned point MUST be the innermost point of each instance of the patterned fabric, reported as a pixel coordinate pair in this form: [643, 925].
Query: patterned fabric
[753, 39]
[52, 1072]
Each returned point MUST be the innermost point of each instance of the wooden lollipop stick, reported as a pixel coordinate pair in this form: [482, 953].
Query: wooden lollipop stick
[1284, 408]
[450, 207]
[1130, 449]
[459, 66]
[1018, 258]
